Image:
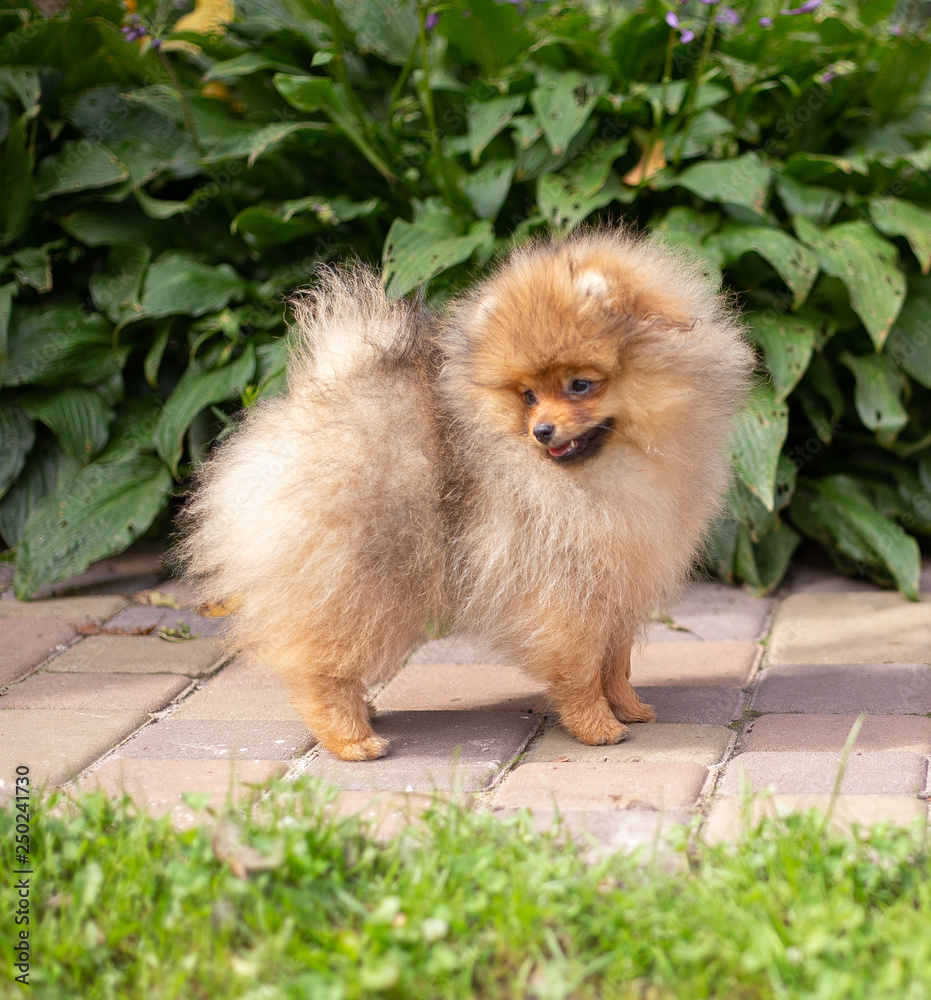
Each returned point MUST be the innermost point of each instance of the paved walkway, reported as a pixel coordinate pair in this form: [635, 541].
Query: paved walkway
[749, 693]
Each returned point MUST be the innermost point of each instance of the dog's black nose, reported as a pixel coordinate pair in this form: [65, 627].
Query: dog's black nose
[543, 433]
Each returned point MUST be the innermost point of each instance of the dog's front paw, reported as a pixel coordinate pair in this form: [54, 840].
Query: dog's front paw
[601, 732]
[636, 713]
[367, 748]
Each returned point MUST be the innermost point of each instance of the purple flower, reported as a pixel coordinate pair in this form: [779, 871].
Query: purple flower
[895, 29]
[728, 16]
[431, 21]
[687, 36]
[132, 33]
[806, 7]
[156, 43]
[709, 2]
[766, 22]
[672, 20]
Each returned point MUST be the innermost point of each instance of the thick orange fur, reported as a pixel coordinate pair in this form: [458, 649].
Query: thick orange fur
[537, 469]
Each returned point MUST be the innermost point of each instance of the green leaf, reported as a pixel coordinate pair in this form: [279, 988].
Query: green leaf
[23, 83]
[417, 251]
[793, 262]
[866, 264]
[488, 187]
[488, 118]
[878, 395]
[34, 267]
[115, 291]
[787, 343]
[100, 227]
[133, 429]
[162, 208]
[98, 513]
[743, 180]
[256, 143]
[195, 391]
[897, 217]
[7, 292]
[389, 30]
[761, 431]
[47, 468]
[80, 166]
[820, 204]
[54, 345]
[319, 93]
[17, 436]
[764, 563]
[564, 207]
[17, 194]
[79, 418]
[562, 103]
[178, 283]
[842, 507]
[909, 343]
[153, 358]
[245, 65]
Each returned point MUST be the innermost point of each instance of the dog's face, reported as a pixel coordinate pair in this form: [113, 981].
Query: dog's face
[567, 411]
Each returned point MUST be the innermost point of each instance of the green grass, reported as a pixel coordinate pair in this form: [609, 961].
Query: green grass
[463, 905]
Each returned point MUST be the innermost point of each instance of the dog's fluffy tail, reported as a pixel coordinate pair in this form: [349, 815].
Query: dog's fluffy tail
[346, 323]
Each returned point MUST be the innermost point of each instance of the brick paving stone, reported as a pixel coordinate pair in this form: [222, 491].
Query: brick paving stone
[147, 616]
[433, 750]
[387, 814]
[716, 706]
[699, 664]
[208, 739]
[159, 784]
[851, 628]
[83, 692]
[243, 673]
[130, 654]
[55, 744]
[456, 649]
[907, 733]
[472, 687]
[730, 818]
[607, 831]
[76, 609]
[139, 568]
[705, 745]
[260, 704]
[815, 772]
[714, 612]
[824, 579]
[877, 688]
[27, 642]
[583, 785]
[186, 591]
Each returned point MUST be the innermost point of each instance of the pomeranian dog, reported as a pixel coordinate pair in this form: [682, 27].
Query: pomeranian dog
[536, 469]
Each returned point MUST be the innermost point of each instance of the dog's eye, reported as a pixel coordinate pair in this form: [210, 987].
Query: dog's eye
[580, 386]
[529, 398]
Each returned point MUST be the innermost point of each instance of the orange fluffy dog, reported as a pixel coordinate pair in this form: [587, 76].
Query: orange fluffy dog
[538, 469]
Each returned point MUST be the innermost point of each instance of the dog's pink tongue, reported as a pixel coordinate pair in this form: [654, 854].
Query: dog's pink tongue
[564, 449]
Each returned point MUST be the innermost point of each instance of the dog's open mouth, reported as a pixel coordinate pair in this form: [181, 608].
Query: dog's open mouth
[578, 448]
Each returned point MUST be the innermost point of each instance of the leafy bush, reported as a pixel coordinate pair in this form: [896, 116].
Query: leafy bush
[167, 177]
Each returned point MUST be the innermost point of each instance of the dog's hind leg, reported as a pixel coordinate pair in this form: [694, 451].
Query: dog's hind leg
[619, 692]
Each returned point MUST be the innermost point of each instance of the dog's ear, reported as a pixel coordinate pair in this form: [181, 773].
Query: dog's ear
[592, 283]
[485, 307]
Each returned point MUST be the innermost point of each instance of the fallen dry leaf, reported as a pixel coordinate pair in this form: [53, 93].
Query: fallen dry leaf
[157, 599]
[93, 629]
